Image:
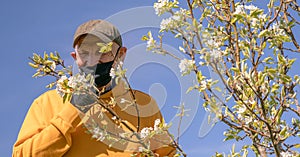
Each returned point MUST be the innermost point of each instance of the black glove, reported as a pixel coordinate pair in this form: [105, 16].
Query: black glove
[83, 101]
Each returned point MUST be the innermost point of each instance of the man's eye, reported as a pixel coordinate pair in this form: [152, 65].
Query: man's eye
[83, 54]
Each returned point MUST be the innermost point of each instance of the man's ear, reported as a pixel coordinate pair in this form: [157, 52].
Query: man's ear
[73, 54]
[122, 53]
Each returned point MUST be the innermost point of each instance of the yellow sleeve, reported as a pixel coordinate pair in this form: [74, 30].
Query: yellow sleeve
[47, 128]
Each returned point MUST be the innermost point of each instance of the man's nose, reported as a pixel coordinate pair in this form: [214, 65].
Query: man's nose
[92, 60]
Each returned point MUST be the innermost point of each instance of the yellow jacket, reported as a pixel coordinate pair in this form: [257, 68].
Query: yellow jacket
[53, 128]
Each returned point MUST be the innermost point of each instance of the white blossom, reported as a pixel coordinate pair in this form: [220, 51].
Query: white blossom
[156, 124]
[264, 89]
[241, 109]
[62, 79]
[163, 6]
[251, 7]
[59, 86]
[201, 63]
[254, 21]
[122, 135]
[248, 119]
[203, 83]
[112, 73]
[114, 118]
[122, 101]
[252, 101]
[286, 154]
[262, 16]
[146, 131]
[141, 149]
[164, 25]
[210, 43]
[151, 43]
[72, 82]
[215, 54]
[201, 57]
[174, 21]
[239, 9]
[186, 66]
[120, 63]
[98, 134]
[117, 72]
[276, 30]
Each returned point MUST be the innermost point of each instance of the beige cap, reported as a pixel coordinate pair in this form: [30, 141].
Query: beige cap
[104, 30]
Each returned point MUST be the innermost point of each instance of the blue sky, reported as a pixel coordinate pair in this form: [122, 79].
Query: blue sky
[36, 26]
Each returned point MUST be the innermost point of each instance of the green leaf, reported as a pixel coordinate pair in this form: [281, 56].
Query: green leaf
[297, 146]
[195, 23]
[272, 71]
[282, 92]
[35, 57]
[229, 114]
[271, 4]
[200, 77]
[64, 98]
[285, 78]
[67, 97]
[229, 137]
[235, 69]
[255, 13]
[145, 38]
[291, 62]
[279, 115]
[53, 57]
[263, 33]
[275, 88]
[36, 74]
[281, 59]
[228, 98]
[61, 73]
[291, 23]
[48, 62]
[219, 155]
[104, 48]
[283, 131]
[264, 44]
[46, 56]
[51, 85]
[268, 59]
[57, 54]
[149, 34]
[234, 19]
[178, 35]
[190, 89]
[218, 89]
[35, 66]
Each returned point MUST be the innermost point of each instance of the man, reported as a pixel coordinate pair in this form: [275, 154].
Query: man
[54, 128]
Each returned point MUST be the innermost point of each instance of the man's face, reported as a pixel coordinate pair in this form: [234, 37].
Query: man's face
[87, 53]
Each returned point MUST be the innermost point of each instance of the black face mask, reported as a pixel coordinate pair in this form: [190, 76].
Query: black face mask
[101, 71]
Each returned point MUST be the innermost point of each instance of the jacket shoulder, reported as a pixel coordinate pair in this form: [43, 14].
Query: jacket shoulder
[143, 98]
[49, 98]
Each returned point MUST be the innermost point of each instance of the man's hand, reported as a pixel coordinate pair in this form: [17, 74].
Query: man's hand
[83, 101]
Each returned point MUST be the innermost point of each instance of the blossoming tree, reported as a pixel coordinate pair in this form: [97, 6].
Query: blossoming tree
[81, 86]
[249, 48]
